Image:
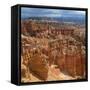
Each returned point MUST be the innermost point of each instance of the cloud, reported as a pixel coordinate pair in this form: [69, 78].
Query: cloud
[29, 12]
[39, 12]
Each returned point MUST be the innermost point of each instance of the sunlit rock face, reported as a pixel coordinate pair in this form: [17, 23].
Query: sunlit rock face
[38, 66]
[52, 51]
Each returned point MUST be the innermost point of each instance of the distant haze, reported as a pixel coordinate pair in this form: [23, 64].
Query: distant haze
[68, 15]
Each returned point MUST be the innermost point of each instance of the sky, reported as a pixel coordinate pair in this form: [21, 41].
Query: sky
[41, 12]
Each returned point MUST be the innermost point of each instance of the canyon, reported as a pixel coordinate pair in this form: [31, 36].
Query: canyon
[52, 51]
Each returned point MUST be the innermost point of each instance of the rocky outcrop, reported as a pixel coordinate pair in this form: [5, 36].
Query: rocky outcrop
[72, 64]
[38, 67]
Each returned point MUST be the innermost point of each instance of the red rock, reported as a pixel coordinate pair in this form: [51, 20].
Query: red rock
[38, 67]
